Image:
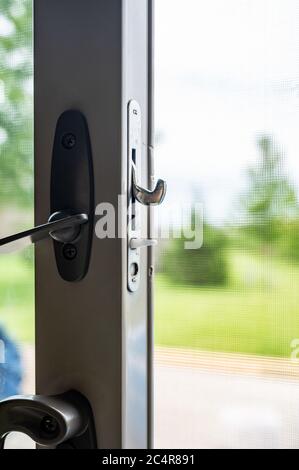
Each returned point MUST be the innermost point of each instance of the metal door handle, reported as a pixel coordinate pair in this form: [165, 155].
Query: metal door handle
[62, 227]
[58, 422]
[145, 196]
[71, 188]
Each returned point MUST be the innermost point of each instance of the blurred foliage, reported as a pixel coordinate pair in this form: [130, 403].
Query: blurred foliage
[16, 103]
[17, 297]
[289, 241]
[267, 222]
[204, 267]
[270, 200]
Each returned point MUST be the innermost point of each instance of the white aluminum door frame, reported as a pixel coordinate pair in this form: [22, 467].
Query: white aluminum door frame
[95, 336]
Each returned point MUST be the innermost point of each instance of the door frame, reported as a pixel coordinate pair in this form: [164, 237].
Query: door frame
[95, 336]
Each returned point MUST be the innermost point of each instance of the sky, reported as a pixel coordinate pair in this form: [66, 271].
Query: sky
[226, 73]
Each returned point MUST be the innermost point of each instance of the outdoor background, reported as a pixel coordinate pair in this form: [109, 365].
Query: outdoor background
[226, 316]
[16, 195]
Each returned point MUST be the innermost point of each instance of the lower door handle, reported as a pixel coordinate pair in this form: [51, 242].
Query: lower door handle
[58, 422]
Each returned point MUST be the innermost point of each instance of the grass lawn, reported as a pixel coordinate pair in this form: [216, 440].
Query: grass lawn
[17, 297]
[257, 313]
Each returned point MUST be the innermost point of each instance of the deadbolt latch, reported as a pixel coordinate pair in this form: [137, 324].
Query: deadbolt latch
[138, 197]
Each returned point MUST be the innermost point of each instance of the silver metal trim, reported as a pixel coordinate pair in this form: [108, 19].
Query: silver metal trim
[52, 229]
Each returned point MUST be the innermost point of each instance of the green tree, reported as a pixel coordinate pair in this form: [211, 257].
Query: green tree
[270, 199]
[16, 108]
[204, 267]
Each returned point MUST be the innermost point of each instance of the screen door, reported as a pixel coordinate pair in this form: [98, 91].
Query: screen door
[227, 268]
[226, 313]
[86, 293]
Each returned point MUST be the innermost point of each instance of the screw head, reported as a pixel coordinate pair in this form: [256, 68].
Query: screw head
[151, 271]
[69, 252]
[69, 141]
[49, 425]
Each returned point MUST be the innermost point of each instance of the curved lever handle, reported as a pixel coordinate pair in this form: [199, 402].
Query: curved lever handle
[62, 422]
[147, 197]
[62, 227]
